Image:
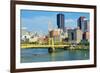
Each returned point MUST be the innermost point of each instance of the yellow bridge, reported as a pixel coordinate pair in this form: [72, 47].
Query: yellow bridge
[43, 46]
[51, 46]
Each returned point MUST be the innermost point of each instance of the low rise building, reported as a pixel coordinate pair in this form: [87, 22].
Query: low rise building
[56, 35]
[86, 36]
[74, 35]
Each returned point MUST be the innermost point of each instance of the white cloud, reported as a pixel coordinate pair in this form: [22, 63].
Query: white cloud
[70, 20]
[71, 23]
[24, 28]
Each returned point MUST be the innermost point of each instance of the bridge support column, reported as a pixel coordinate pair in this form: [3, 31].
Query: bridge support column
[50, 50]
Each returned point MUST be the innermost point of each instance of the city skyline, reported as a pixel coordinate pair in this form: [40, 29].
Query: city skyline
[37, 21]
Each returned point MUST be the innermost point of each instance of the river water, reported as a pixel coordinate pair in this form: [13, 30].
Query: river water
[42, 55]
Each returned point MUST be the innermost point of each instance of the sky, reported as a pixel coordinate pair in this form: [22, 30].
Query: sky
[37, 21]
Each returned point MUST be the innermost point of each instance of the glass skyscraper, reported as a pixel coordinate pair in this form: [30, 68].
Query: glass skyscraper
[83, 24]
[61, 21]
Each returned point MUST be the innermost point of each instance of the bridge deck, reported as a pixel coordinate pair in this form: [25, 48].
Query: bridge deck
[43, 46]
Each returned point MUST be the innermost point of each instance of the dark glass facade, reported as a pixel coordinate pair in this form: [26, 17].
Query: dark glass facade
[83, 24]
[60, 21]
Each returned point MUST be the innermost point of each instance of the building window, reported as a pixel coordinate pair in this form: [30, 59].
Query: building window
[72, 35]
[84, 36]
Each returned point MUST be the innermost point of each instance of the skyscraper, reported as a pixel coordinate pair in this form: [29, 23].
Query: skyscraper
[83, 24]
[60, 21]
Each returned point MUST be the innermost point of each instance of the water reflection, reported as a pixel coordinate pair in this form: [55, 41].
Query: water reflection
[42, 55]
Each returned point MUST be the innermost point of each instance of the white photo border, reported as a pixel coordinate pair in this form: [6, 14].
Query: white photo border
[57, 63]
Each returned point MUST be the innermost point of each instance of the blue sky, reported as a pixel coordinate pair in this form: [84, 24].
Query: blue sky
[37, 21]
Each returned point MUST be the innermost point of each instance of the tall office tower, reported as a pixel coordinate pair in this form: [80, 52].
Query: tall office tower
[60, 21]
[83, 24]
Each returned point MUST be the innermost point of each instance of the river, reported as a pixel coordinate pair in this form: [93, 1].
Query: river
[42, 55]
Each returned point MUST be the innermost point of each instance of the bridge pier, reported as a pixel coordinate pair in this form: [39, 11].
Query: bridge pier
[50, 50]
